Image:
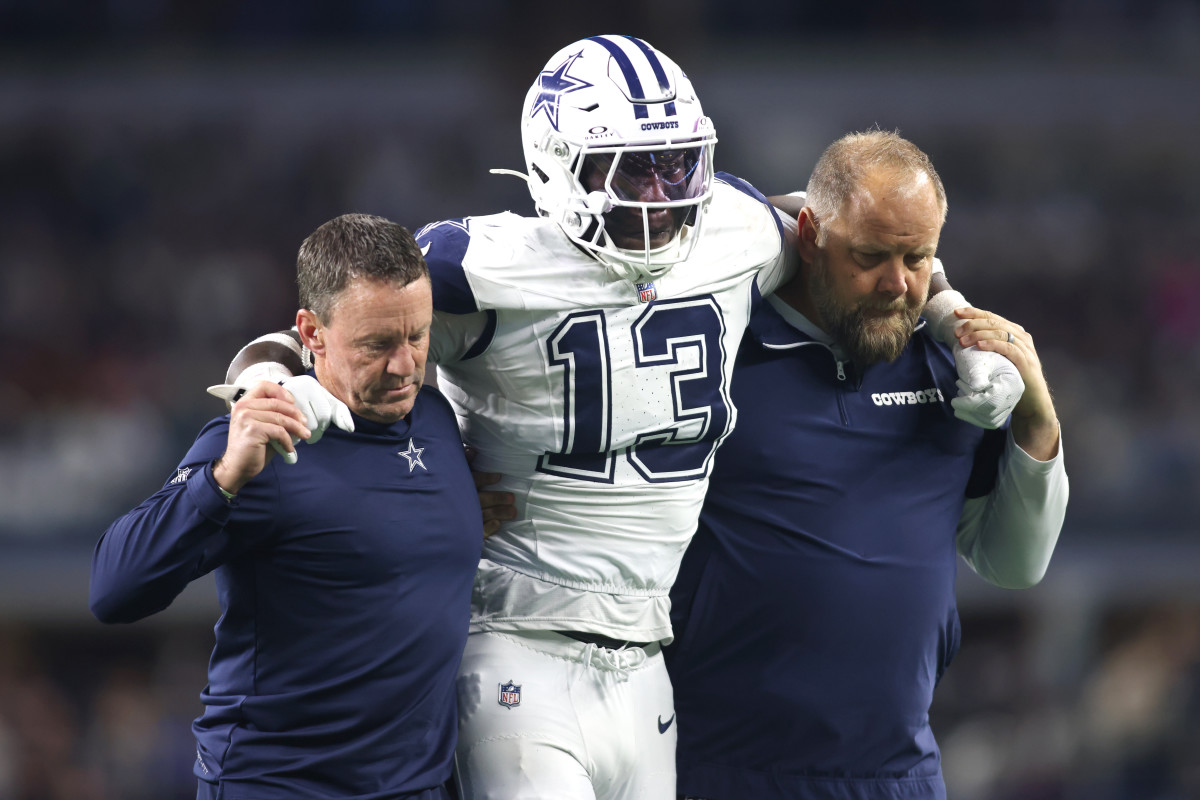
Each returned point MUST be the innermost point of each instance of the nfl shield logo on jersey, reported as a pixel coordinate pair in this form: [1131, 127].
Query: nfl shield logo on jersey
[647, 292]
[510, 694]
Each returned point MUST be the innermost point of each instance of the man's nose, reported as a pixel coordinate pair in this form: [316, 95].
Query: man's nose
[402, 361]
[893, 280]
[651, 188]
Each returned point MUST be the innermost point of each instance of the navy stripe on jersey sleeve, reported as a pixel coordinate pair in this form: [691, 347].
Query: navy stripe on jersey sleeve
[746, 189]
[444, 244]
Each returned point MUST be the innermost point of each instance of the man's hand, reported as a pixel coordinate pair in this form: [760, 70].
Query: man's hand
[1034, 422]
[989, 386]
[495, 507]
[265, 415]
[319, 406]
[265, 371]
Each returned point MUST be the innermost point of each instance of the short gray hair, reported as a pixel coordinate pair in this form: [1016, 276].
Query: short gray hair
[841, 169]
[354, 246]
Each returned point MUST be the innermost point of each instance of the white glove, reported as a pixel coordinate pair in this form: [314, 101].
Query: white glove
[319, 406]
[265, 371]
[989, 387]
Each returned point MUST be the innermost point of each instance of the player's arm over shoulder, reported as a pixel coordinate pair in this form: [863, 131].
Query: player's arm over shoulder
[789, 205]
[272, 357]
[771, 226]
[444, 247]
[460, 329]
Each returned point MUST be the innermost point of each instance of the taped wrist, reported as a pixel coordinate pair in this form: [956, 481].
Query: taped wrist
[939, 312]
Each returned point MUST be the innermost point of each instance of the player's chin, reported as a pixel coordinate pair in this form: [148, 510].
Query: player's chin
[632, 241]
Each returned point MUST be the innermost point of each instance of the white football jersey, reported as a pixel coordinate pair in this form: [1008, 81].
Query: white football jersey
[602, 403]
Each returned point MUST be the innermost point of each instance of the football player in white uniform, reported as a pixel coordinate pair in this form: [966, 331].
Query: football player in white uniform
[588, 353]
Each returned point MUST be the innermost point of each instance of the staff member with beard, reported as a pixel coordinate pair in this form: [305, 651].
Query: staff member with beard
[814, 611]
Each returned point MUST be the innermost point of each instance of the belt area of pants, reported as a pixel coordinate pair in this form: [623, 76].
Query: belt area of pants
[602, 641]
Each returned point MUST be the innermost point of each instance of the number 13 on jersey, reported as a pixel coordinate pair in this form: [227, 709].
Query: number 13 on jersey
[675, 378]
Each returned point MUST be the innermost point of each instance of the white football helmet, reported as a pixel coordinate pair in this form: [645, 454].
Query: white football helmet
[619, 153]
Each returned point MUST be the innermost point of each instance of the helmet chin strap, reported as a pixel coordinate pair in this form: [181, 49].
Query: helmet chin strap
[582, 214]
[597, 203]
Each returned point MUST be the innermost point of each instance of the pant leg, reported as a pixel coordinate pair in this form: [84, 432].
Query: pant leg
[524, 744]
[544, 716]
[629, 725]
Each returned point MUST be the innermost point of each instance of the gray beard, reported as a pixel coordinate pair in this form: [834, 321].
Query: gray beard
[866, 338]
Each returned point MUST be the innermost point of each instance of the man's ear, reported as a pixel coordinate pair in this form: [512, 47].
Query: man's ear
[312, 332]
[806, 239]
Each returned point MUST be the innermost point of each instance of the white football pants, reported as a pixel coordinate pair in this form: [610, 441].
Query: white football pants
[545, 717]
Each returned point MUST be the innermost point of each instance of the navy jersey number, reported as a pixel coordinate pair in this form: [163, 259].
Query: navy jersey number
[681, 450]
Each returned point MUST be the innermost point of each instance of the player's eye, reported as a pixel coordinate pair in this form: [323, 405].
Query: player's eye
[638, 164]
[598, 162]
[669, 160]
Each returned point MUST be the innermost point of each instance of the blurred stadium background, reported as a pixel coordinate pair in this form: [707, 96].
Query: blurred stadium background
[161, 160]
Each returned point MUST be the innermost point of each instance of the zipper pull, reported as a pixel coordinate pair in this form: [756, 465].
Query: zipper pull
[841, 372]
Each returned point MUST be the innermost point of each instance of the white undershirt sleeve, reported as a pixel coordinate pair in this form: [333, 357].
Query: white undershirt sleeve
[1008, 536]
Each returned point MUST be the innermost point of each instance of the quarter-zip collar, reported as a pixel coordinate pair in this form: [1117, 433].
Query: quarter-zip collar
[775, 325]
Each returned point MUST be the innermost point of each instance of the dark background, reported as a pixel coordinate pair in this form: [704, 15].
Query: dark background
[161, 160]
